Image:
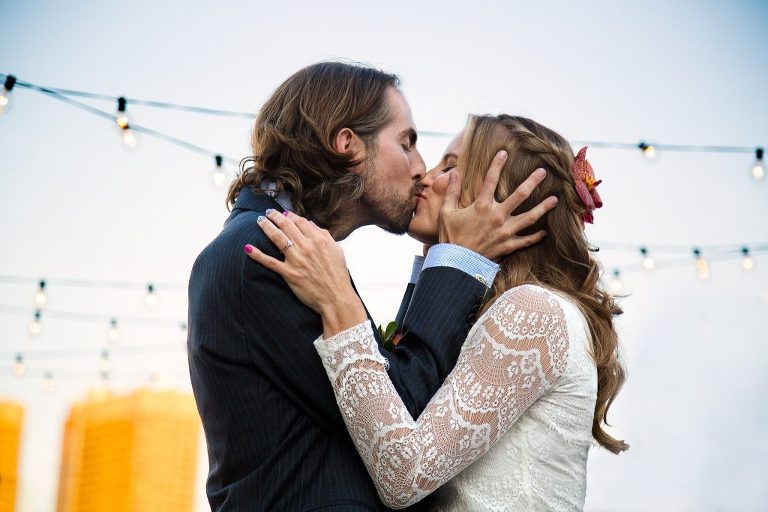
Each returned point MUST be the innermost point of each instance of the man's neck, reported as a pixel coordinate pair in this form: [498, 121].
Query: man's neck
[352, 218]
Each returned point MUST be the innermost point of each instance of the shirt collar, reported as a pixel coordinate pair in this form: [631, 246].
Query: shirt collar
[283, 198]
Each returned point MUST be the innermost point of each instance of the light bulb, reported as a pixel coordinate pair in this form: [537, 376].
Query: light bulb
[649, 150]
[19, 368]
[6, 94]
[113, 333]
[123, 123]
[758, 168]
[648, 263]
[129, 138]
[616, 284]
[49, 386]
[151, 297]
[35, 326]
[702, 265]
[104, 364]
[41, 299]
[219, 177]
[747, 263]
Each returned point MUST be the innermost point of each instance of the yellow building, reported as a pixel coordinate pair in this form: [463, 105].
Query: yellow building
[11, 416]
[130, 453]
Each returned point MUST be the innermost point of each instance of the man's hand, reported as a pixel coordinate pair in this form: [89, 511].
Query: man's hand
[487, 227]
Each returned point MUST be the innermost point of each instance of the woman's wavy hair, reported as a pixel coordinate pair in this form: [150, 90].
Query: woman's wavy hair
[562, 261]
[292, 140]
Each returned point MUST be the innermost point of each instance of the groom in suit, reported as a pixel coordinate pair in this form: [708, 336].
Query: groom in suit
[336, 143]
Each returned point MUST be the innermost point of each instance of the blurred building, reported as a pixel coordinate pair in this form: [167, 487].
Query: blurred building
[11, 417]
[130, 453]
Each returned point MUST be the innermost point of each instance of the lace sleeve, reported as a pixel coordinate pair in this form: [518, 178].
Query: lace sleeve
[512, 356]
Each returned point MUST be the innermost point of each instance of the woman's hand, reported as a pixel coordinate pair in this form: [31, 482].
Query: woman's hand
[314, 268]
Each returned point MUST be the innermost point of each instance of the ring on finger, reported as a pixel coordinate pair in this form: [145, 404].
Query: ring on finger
[288, 245]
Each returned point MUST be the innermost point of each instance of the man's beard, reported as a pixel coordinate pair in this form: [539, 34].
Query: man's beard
[391, 209]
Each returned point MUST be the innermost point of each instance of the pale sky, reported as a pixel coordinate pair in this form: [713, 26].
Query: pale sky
[75, 204]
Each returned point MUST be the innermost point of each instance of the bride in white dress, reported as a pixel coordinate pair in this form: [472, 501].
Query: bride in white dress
[511, 427]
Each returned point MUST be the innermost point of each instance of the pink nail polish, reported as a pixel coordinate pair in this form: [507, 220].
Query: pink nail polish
[286, 213]
[247, 248]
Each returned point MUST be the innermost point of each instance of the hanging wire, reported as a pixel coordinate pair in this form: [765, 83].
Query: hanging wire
[86, 283]
[63, 95]
[93, 318]
[111, 117]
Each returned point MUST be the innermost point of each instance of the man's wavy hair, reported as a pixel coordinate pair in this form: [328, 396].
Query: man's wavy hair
[293, 137]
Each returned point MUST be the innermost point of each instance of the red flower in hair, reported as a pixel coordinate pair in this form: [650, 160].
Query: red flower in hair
[586, 185]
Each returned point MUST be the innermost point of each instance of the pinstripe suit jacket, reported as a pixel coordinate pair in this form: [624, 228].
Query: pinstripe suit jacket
[276, 439]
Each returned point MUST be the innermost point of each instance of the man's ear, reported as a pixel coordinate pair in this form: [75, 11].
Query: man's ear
[349, 143]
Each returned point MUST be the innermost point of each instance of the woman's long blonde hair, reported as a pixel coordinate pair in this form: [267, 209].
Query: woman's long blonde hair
[562, 261]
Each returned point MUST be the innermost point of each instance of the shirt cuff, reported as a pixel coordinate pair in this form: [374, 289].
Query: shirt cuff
[418, 263]
[461, 258]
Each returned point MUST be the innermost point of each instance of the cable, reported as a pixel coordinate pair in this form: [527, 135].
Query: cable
[64, 93]
[95, 318]
[138, 128]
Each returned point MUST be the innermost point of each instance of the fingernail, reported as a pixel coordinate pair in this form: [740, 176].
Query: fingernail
[269, 210]
[248, 248]
[553, 200]
[541, 172]
[286, 213]
[502, 154]
[260, 219]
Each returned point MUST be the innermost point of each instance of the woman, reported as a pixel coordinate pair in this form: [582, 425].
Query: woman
[511, 426]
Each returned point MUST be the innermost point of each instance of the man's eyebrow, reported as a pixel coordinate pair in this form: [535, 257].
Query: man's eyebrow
[411, 134]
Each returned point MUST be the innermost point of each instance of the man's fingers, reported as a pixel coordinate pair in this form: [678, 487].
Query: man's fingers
[451, 197]
[525, 189]
[522, 242]
[491, 180]
[269, 262]
[531, 217]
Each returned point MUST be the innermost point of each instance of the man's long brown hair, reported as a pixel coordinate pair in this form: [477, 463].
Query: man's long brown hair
[292, 140]
[562, 261]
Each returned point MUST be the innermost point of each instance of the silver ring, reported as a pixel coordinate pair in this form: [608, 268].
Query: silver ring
[287, 246]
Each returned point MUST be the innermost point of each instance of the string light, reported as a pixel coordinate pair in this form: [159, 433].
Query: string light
[702, 265]
[648, 263]
[6, 94]
[758, 168]
[41, 299]
[113, 333]
[151, 297]
[219, 178]
[35, 326]
[616, 284]
[49, 386]
[104, 365]
[649, 150]
[747, 263]
[19, 368]
[129, 138]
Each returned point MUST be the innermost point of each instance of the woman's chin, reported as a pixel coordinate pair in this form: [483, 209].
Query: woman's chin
[420, 236]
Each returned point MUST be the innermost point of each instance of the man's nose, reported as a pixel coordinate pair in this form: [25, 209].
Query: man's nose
[419, 168]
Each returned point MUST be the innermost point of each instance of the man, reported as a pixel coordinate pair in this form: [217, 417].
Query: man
[335, 143]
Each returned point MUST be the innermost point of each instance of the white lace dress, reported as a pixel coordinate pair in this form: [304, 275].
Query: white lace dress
[508, 430]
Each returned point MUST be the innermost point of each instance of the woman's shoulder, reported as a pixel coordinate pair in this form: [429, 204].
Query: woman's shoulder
[531, 296]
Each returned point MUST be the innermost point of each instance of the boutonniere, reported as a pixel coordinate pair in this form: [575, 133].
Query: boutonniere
[389, 336]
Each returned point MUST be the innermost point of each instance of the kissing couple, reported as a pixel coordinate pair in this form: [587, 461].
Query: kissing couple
[507, 358]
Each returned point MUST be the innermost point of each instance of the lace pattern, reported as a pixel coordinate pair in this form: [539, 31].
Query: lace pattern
[513, 355]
